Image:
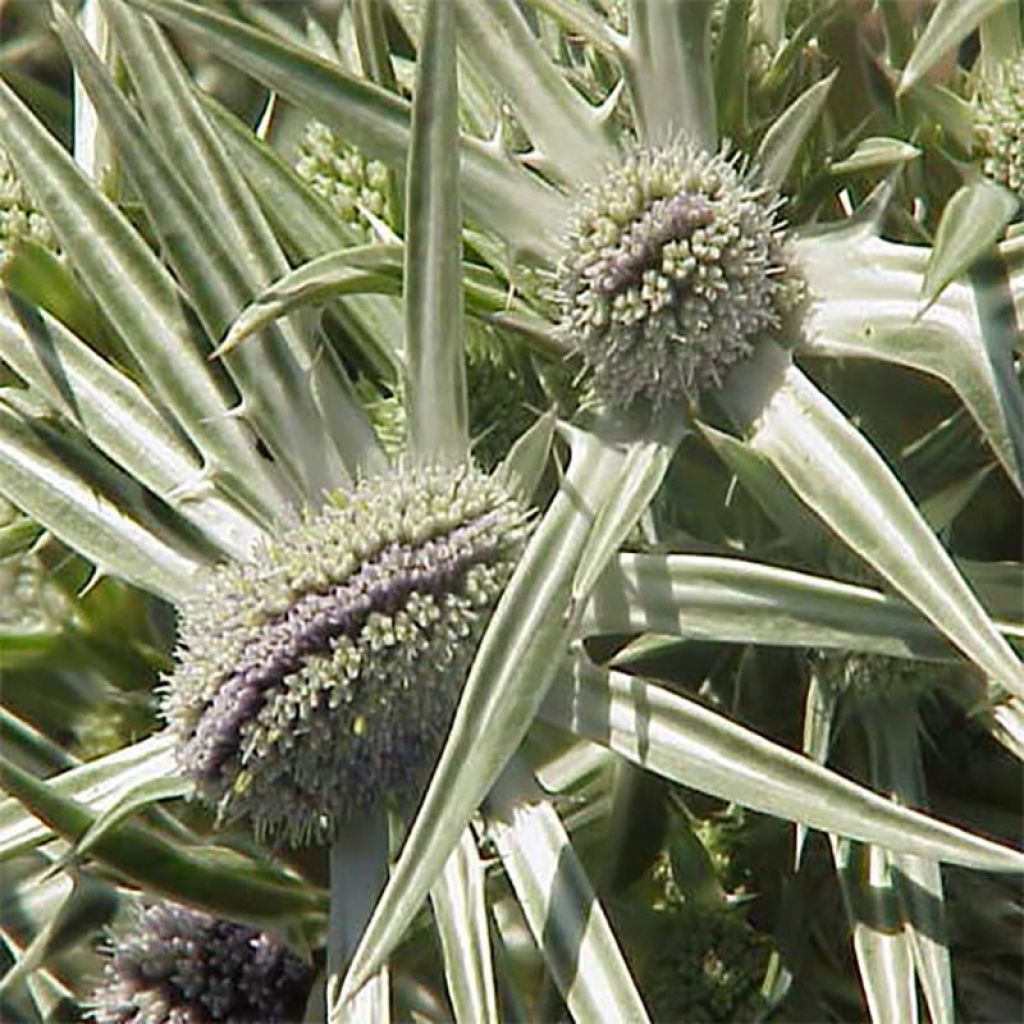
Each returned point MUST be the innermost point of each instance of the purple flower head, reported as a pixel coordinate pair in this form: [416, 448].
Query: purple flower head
[180, 966]
[321, 677]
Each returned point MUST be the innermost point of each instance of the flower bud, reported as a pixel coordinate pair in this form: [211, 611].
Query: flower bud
[180, 966]
[1000, 125]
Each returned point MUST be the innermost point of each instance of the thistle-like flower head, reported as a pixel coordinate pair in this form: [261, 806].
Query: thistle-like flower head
[180, 966]
[320, 677]
[356, 187]
[675, 262]
[1000, 125]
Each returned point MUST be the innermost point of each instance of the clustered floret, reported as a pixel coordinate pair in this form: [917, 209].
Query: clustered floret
[19, 216]
[1000, 125]
[320, 677]
[674, 264]
[180, 966]
[355, 186]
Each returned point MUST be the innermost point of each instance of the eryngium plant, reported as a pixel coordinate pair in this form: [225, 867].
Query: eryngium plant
[674, 266]
[1000, 124]
[320, 677]
[674, 643]
[179, 966]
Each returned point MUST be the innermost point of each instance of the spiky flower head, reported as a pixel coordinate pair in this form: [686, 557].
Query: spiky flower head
[674, 264]
[1000, 125]
[356, 187]
[180, 966]
[320, 677]
[19, 216]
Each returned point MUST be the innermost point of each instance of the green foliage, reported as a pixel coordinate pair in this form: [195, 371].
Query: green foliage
[232, 361]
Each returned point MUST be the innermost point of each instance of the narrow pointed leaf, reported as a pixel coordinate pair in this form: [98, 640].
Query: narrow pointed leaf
[513, 667]
[876, 154]
[119, 419]
[39, 477]
[373, 119]
[559, 902]
[849, 485]
[682, 740]
[436, 383]
[950, 22]
[971, 223]
[782, 142]
[562, 126]
[870, 308]
[647, 460]
[141, 300]
[211, 877]
[731, 600]
[668, 66]
[523, 467]
[460, 910]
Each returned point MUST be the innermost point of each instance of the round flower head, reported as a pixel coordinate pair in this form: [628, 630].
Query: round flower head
[180, 966]
[320, 677]
[1000, 125]
[357, 188]
[674, 264]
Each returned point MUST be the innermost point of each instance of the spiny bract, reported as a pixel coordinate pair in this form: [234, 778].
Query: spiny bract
[675, 261]
[180, 966]
[321, 676]
[1000, 125]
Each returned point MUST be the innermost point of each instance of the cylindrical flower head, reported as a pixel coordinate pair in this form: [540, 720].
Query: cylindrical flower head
[180, 966]
[1000, 125]
[321, 676]
[674, 264]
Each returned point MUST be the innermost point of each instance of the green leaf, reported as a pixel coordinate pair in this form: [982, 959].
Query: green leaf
[311, 228]
[460, 910]
[881, 944]
[678, 738]
[115, 414]
[214, 878]
[97, 784]
[870, 307]
[849, 485]
[647, 460]
[668, 66]
[142, 302]
[116, 533]
[436, 381]
[955, 115]
[567, 922]
[276, 390]
[523, 467]
[729, 600]
[730, 59]
[571, 144]
[516, 660]
[782, 142]
[375, 120]
[950, 22]
[971, 223]
[875, 154]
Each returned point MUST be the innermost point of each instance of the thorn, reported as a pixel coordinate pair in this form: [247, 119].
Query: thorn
[97, 576]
